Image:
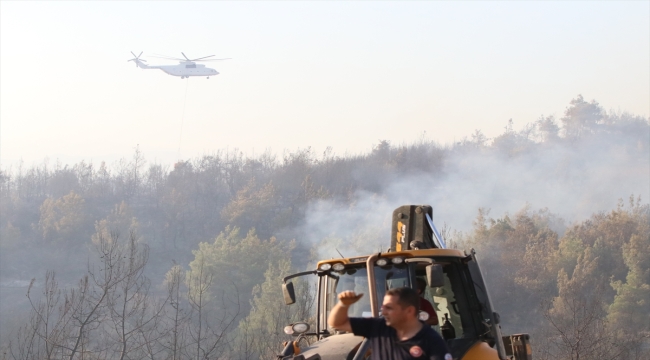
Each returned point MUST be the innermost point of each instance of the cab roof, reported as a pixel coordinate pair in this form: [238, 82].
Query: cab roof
[406, 254]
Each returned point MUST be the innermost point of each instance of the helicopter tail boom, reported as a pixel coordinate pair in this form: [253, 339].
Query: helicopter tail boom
[141, 65]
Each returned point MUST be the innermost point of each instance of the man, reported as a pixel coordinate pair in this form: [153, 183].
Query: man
[425, 305]
[399, 335]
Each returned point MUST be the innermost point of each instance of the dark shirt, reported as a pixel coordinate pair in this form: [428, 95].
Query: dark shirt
[426, 344]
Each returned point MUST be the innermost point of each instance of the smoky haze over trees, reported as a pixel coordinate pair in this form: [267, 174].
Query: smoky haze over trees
[143, 260]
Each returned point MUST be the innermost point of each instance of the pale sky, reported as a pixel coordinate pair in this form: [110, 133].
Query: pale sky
[339, 74]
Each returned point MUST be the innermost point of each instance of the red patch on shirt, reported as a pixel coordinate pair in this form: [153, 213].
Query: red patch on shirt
[415, 351]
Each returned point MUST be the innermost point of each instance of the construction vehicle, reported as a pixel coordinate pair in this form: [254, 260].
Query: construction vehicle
[455, 285]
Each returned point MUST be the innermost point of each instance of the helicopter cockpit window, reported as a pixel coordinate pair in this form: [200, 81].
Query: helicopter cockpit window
[190, 66]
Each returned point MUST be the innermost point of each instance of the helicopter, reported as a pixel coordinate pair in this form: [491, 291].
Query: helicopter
[187, 67]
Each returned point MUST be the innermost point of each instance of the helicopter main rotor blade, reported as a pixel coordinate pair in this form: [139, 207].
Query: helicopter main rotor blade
[134, 54]
[214, 59]
[140, 54]
[161, 55]
[167, 57]
[205, 57]
[186, 58]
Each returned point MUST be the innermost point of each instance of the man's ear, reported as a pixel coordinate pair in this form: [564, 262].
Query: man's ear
[411, 310]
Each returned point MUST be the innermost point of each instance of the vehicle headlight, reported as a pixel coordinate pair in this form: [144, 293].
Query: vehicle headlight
[397, 260]
[301, 327]
[382, 262]
[325, 267]
[338, 266]
[288, 330]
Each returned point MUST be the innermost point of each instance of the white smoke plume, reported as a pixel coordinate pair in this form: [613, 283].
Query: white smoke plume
[572, 179]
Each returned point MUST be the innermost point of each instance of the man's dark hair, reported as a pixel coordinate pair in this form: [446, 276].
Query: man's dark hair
[406, 297]
[422, 285]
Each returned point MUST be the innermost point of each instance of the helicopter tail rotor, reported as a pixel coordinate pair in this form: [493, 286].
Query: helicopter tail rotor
[136, 58]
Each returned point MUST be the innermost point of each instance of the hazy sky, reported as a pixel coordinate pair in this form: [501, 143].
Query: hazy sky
[340, 74]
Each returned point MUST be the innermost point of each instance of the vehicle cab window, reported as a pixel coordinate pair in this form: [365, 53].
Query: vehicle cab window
[356, 279]
[452, 314]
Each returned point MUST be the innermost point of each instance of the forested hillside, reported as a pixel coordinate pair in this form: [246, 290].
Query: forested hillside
[144, 260]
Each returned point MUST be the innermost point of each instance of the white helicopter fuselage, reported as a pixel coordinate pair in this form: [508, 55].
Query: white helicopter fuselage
[183, 69]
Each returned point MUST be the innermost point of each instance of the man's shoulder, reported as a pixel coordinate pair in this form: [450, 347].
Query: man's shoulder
[367, 320]
[432, 339]
[369, 327]
[429, 332]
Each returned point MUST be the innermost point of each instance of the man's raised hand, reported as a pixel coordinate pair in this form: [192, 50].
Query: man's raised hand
[349, 297]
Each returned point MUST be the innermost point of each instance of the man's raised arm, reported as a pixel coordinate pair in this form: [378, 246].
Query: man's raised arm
[338, 318]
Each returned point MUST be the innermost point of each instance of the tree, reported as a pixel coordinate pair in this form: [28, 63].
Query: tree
[209, 324]
[512, 143]
[175, 340]
[607, 232]
[577, 316]
[40, 337]
[255, 207]
[629, 313]
[381, 152]
[70, 323]
[522, 246]
[236, 259]
[61, 218]
[130, 174]
[548, 129]
[131, 312]
[581, 118]
[119, 221]
[260, 334]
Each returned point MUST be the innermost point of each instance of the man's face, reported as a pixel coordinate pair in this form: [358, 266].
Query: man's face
[394, 314]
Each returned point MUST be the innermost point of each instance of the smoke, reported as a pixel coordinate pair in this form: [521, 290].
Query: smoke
[571, 178]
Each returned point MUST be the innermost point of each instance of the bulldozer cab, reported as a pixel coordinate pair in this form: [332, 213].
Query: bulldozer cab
[386, 277]
[461, 319]
[455, 288]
